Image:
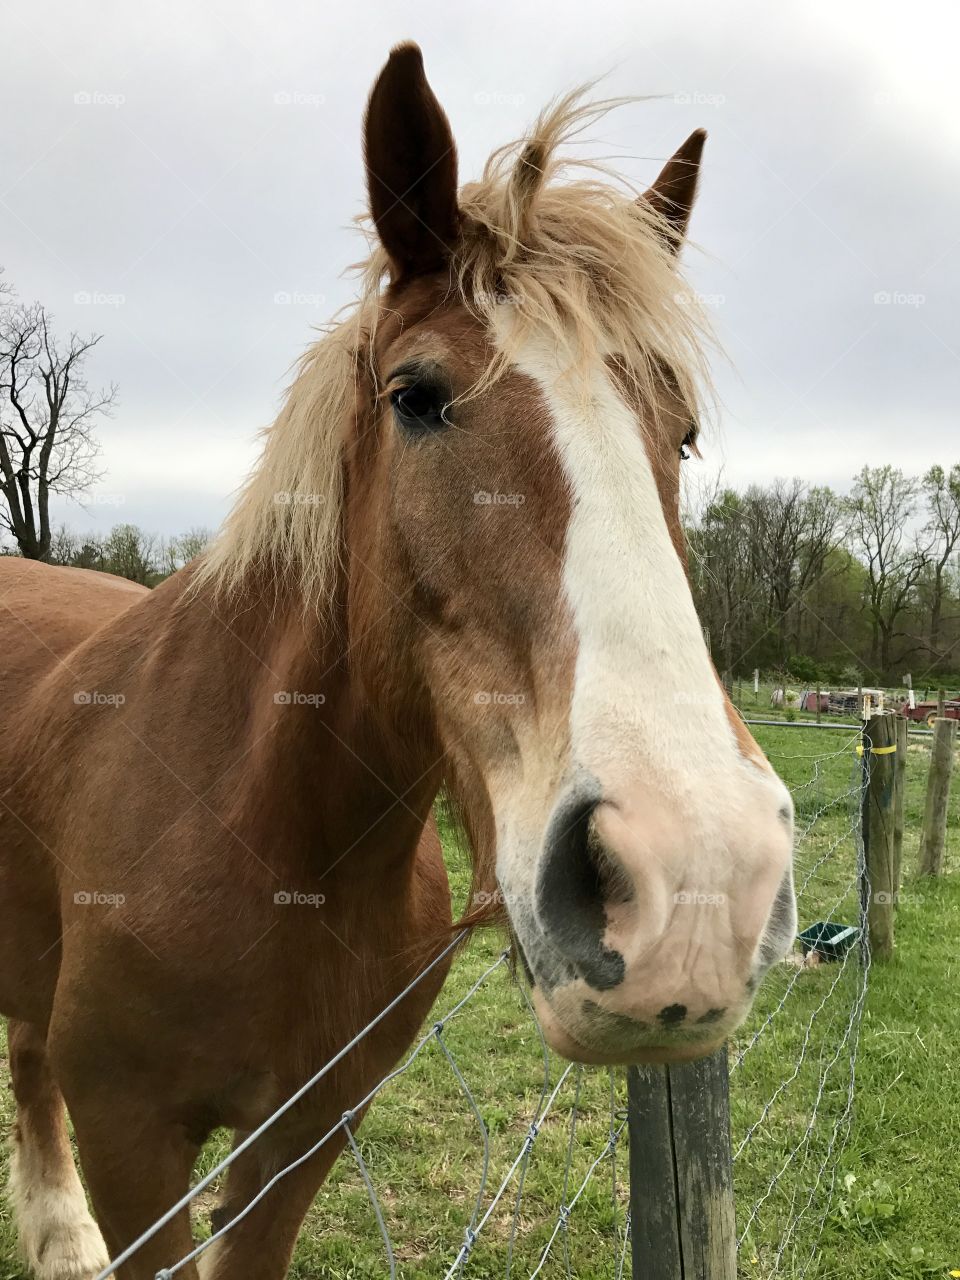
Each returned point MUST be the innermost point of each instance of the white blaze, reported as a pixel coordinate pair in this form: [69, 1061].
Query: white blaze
[644, 687]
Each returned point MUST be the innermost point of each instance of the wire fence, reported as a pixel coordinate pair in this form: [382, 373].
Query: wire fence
[793, 1075]
[487, 1156]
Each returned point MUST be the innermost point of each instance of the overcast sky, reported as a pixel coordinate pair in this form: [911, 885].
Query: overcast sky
[181, 178]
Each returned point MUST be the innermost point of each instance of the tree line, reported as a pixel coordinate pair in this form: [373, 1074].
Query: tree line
[831, 586]
[127, 551]
[787, 575]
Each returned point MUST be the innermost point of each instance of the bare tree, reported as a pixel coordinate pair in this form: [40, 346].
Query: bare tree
[48, 416]
[193, 542]
[174, 553]
[719, 561]
[942, 492]
[64, 546]
[791, 531]
[881, 507]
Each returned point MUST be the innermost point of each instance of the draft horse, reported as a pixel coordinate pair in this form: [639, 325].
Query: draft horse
[458, 563]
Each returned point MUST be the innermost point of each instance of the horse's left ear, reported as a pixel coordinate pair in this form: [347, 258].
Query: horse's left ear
[673, 193]
[411, 167]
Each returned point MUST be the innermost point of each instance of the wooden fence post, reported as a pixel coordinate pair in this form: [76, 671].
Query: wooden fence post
[879, 893]
[933, 833]
[899, 796]
[682, 1213]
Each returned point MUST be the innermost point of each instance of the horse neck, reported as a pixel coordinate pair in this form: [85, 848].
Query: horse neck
[324, 778]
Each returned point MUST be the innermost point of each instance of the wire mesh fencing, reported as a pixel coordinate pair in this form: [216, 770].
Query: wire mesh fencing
[484, 1155]
[793, 1067]
[462, 1170]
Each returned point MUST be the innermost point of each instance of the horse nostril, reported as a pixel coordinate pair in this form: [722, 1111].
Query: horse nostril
[575, 882]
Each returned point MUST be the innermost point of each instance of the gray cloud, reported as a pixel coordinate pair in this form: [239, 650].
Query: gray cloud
[182, 178]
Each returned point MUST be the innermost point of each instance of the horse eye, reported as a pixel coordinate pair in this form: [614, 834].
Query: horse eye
[687, 443]
[419, 406]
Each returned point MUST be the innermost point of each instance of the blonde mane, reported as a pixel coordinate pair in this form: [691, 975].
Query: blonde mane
[573, 254]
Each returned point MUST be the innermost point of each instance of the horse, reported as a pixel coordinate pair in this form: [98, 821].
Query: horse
[459, 564]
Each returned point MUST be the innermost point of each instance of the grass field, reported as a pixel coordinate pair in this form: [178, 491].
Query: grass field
[826, 1190]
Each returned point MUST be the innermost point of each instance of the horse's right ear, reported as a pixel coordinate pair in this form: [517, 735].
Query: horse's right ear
[411, 167]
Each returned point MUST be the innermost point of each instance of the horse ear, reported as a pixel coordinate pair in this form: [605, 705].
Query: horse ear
[411, 167]
[673, 193]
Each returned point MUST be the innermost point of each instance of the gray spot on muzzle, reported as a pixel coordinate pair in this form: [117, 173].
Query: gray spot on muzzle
[571, 892]
[605, 1020]
[712, 1015]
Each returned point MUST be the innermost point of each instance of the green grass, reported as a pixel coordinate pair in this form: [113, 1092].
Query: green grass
[885, 1204]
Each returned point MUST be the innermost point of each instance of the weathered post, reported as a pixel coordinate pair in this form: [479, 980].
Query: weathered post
[879, 893]
[682, 1212]
[899, 794]
[818, 704]
[933, 833]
